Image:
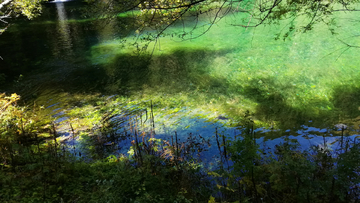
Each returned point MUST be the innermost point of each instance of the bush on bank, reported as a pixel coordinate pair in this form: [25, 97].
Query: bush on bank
[35, 167]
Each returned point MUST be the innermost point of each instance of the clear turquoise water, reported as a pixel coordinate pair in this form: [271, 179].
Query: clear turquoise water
[71, 64]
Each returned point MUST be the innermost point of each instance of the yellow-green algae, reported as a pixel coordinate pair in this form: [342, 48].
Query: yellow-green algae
[231, 70]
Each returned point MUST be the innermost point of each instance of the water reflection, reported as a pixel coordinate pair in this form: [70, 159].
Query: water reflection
[184, 124]
[64, 42]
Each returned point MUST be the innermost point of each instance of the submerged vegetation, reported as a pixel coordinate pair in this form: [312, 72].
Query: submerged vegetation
[225, 72]
[140, 101]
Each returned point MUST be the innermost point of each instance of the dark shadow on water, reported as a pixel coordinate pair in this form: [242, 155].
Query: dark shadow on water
[273, 107]
[125, 74]
[344, 107]
[347, 100]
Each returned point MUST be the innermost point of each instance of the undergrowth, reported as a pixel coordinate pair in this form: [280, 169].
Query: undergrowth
[36, 167]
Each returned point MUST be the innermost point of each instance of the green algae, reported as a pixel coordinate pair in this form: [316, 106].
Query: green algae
[227, 71]
[236, 70]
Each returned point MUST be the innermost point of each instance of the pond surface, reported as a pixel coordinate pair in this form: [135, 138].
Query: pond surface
[74, 64]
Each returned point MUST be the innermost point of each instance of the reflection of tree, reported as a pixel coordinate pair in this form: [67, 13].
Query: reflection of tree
[63, 31]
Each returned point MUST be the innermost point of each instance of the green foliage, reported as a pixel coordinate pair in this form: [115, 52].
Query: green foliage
[102, 181]
[12, 8]
[35, 168]
[28, 8]
[288, 174]
[38, 169]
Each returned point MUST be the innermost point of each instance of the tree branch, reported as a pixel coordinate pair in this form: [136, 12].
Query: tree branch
[345, 10]
[5, 3]
[181, 6]
[348, 45]
[262, 20]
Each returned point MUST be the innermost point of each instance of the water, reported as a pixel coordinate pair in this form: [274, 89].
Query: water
[72, 63]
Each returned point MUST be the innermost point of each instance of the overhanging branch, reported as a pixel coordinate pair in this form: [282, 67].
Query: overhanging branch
[5, 3]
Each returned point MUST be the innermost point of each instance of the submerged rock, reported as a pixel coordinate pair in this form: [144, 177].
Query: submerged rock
[221, 117]
[341, 126]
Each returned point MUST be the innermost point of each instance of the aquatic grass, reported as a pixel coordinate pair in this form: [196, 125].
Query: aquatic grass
[229, 71]
[235, 78]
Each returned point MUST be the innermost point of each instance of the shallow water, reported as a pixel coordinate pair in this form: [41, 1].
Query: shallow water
[71, 64]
